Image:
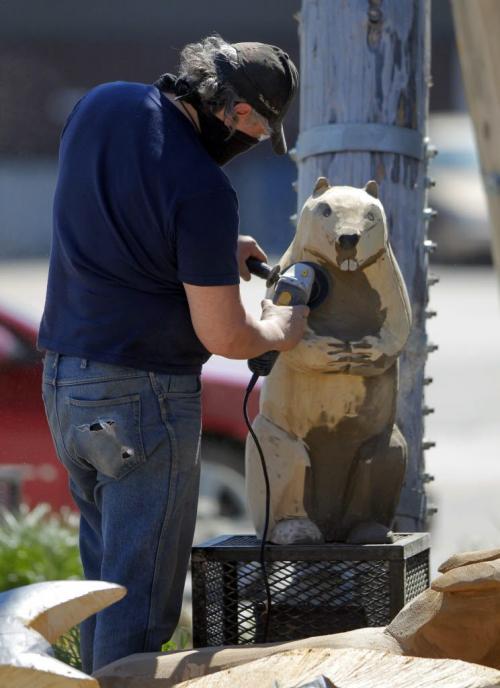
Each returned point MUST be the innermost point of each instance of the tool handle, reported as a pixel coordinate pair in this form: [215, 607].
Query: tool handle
[260, 269]
[263, 364]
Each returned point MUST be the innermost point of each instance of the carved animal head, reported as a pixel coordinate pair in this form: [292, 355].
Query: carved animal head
[459, 617]
[34, 616]
[342, 225]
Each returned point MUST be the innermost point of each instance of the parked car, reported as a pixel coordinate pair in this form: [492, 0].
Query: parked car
[29, 469]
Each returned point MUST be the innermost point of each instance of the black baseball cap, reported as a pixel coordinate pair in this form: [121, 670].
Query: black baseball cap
[267, 79]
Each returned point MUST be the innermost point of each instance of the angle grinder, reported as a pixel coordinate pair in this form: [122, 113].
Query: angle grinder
[301, 284]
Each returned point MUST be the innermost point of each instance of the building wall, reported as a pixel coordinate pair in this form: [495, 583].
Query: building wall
[52, 52]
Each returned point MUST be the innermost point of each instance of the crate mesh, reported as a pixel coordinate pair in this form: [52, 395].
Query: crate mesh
[417, 575]
[308, 597]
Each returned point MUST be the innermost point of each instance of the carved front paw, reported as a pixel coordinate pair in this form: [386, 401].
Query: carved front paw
[348, 357]
[366, 349]
[337, 350]
[315, 353]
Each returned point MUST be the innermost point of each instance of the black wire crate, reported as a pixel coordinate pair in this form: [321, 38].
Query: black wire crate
[315, 589]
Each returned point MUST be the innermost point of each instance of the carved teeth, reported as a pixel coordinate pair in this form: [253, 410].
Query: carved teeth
[349, 265]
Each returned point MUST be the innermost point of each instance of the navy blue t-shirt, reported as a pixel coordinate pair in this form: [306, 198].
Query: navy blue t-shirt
[140, 207]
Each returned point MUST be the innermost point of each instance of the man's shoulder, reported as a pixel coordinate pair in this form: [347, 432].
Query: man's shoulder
[121, 92]
[119, 89]
[141, 112]
[104, 102]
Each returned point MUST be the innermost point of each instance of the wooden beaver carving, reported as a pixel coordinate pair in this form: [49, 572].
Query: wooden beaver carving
[336, 459]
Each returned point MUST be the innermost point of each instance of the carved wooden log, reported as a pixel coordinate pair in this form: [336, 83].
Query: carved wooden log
[152, 670]
[459, 618]
[335, 457]
[35, 616]
[349, 669]
[344, 668]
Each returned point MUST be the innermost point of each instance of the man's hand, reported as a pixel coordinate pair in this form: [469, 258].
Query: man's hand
[291, 321]
[248, 248]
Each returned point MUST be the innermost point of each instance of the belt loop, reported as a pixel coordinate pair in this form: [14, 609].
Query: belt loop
[83, 363]
[154, 383]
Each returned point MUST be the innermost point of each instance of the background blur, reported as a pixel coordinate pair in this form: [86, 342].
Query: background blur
[52, 52]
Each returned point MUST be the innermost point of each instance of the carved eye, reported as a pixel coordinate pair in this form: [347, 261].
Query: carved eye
[370, 217]
[327, 211]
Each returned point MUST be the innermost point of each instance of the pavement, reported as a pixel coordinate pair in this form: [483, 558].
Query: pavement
[465, 395]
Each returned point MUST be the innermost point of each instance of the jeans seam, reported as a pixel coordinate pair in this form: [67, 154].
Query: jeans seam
[170, 501]
[63, 444]
[93, 380]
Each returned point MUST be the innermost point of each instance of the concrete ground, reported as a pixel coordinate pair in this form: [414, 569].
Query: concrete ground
[465, 395]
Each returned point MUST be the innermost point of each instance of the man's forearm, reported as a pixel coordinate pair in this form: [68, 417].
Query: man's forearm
[225, 328]
[251, 338]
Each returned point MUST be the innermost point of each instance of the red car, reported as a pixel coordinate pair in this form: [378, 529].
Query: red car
[27, 459]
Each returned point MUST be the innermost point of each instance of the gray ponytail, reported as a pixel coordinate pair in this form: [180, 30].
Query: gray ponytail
[199, 69]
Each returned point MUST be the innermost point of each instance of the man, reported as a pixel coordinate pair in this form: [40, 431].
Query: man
[143, 287]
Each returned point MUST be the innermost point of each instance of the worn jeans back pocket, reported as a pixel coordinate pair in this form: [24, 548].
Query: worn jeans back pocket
[106, 433]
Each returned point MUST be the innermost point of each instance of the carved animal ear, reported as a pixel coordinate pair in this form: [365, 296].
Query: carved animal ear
[322, 184]
[484, 575]
[465, 558]
[371, 188]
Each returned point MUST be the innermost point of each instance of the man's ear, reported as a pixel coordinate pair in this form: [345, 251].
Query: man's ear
[242, 109]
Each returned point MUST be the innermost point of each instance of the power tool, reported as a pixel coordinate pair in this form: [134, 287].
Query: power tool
[302, 284]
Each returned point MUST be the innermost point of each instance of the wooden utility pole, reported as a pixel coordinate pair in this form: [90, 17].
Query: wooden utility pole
[365, 72]
[477, 25]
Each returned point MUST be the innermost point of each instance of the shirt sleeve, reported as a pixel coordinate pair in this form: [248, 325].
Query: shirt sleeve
[207, 239]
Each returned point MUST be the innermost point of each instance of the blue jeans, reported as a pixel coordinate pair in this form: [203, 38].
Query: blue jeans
[130, 442]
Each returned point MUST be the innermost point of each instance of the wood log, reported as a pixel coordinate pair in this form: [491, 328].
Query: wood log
[349, 669]
[476, 26]
[459, 619]
[154, 670]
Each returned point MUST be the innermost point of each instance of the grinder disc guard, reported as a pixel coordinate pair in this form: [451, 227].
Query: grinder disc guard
[320, 287]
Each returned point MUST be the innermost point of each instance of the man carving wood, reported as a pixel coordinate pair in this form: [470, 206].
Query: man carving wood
[143, 287]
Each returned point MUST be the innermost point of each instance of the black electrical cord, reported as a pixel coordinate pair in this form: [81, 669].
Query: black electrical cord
[262, 558]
